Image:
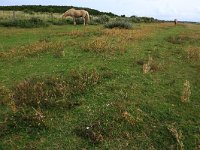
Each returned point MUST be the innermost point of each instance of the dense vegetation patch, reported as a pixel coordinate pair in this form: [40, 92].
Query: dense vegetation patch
[119, 24]
[53, 90]
[100, 19]
[30, 23]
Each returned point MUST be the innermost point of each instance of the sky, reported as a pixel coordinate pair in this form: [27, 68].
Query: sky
[183, 10]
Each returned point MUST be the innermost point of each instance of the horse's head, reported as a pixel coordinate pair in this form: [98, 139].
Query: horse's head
[65, 15]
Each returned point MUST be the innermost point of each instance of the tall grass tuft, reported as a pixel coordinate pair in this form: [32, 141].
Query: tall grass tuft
[177, 135]
[150, 66]
[185, 97]
[147, 66]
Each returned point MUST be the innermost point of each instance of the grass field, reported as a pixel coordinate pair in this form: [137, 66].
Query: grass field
[77, 87]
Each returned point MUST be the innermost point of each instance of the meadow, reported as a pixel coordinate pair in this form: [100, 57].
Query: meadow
[88, 87]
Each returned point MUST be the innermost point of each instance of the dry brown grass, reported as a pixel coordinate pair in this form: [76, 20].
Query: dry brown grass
[33, 49]
[150, 66]
[113, 40]
[177, 135]
[147, 66]
[185, 97]
[128, 35]
[193, 53]
[105, 44]
[129, 118]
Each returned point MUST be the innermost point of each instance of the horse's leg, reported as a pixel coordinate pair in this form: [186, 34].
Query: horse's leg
[84, 21]
[74, 21]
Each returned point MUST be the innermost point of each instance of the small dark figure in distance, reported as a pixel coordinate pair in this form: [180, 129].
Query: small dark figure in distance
[175, 22]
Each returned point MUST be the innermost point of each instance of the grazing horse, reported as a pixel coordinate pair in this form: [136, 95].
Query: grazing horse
[76, 14]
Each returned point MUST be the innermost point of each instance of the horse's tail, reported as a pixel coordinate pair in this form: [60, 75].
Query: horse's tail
[87, 17]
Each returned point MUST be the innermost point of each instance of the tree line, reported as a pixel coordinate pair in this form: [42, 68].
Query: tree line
[53, 9]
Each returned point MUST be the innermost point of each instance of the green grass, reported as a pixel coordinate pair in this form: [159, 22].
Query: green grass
[125, 110]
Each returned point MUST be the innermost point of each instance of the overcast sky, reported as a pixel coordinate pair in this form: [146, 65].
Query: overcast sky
[187, 10]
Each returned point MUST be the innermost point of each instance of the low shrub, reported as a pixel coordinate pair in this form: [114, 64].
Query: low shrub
[101, 19]
[119, 24]
[54, 90]
[30, 23]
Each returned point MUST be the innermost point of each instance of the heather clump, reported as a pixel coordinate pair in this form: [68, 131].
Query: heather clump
[54, 90]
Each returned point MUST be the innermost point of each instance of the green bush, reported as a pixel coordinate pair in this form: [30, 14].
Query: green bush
[119, 24]
[30, 23]
[102, 19]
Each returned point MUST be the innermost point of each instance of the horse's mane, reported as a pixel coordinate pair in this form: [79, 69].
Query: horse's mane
[71, 9]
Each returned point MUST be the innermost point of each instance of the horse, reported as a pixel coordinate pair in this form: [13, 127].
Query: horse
[76, 14]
